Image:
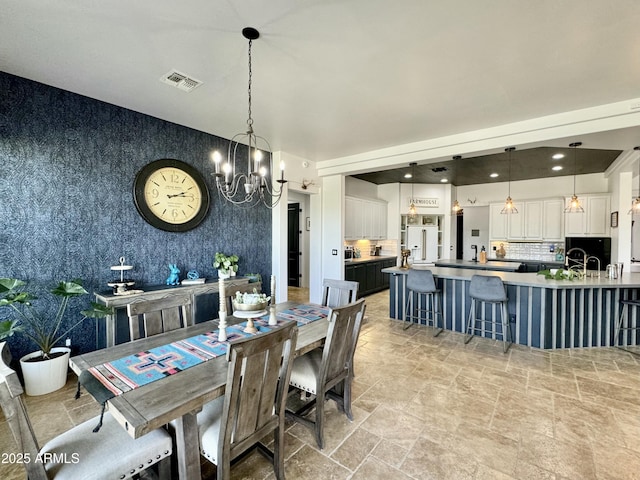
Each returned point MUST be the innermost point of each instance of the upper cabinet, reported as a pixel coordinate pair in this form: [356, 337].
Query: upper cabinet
[594, 222]
[365, 219]
[535, 220]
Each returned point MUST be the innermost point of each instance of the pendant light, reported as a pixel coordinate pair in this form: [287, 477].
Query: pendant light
[456, 206]
[255, 186]
[509, 207]
[635, 206]
[412, 207]
[574, 204]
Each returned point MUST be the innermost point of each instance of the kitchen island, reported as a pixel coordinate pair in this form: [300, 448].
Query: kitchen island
[494, 265]
[545, 314]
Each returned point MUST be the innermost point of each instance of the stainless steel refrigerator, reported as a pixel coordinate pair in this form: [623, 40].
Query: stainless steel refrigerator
[422, 240]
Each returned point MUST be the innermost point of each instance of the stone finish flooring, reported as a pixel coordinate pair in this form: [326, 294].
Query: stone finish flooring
[435, 408]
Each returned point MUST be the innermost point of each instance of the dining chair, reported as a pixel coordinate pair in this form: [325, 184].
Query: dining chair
[80, 453]
[253, 404]
[327, 372]
[337, 293]
[151, 317]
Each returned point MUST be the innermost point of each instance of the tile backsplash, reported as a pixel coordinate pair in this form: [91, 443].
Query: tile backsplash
[389, 247]
[544, 251]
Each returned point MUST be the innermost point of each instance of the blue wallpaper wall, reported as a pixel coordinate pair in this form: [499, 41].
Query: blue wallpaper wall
[67, 165]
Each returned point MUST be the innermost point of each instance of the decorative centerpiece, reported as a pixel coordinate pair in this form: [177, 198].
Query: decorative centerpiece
[560, 274]
[121, 286]
[250, 306]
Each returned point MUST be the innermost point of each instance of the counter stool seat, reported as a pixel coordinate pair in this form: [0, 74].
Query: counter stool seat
[623, 323]
[421, 282]
[488, 289]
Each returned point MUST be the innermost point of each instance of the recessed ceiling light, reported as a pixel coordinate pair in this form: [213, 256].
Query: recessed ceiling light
[407, 175]
[443, 180]
[556, 168]
[493, 175]
[558, 156]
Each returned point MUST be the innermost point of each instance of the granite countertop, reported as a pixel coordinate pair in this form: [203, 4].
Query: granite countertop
[489, 265]
[369, 259]
[626, 280]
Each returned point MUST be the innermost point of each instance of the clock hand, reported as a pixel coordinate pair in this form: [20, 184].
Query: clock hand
[182, 194]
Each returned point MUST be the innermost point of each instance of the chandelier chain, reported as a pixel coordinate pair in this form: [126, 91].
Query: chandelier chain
[250, 120]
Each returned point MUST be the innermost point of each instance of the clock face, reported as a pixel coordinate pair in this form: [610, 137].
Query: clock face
[171, 195]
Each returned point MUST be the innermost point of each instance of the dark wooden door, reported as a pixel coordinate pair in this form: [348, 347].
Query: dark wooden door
[459, 235]
[293, 264]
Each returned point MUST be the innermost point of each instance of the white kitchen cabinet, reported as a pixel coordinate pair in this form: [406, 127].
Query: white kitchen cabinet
[594, 222]
[527, 223]
[553, 219]
[365, 219]
[535, 220]
[498, 222]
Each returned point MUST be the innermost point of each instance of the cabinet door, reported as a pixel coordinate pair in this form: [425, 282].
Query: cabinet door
[598, 213]
[575, 224]
[533, 220]
[497, 222]
[353, 228]
[516, 222]
[369, 220]
[553, 219]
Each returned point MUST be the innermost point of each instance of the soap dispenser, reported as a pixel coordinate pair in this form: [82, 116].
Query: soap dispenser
[483, 255]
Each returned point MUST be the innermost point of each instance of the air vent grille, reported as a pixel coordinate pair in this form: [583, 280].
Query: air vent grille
[180, 80]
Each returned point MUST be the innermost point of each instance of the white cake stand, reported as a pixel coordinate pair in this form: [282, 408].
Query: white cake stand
[249, 315]
[121, 287]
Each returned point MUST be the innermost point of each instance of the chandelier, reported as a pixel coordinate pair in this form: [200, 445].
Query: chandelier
[413, 213]
[509, 207]
[574, 204]
[456, 205]
[254, 186]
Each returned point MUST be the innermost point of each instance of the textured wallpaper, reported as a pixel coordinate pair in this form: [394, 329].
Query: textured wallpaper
[67, 165]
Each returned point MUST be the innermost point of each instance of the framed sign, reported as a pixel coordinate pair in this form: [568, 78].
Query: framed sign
[614, 219]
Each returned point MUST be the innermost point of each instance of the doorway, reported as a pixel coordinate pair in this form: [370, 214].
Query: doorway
[293, 244]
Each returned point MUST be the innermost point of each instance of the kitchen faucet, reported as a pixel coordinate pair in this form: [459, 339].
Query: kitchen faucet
[584, 260]
[475, 255]
[597, 274]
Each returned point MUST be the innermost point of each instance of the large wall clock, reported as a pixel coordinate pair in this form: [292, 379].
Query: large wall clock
[171, 195]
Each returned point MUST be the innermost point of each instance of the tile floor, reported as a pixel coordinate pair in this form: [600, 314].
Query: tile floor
[435, 408]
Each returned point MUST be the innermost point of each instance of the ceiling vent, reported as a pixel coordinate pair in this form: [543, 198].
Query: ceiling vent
[180, 80]
[439, 169]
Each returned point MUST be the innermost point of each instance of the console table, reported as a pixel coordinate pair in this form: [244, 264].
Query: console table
[154, 292]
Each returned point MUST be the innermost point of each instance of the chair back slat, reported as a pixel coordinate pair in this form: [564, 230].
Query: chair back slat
[337, 293]
[255, 395]
[17, 418]
[341, 342]
[151, 317]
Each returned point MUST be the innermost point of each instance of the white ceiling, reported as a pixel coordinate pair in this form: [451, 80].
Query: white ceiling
[333, 78]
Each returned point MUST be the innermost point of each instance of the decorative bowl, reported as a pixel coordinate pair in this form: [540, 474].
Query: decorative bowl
[249, 307]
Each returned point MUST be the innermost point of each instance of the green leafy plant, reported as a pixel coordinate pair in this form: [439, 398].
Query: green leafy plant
[558, 274]
[226, 263]
[42, 327]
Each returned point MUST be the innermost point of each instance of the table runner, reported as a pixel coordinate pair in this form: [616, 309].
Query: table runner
[119, 376]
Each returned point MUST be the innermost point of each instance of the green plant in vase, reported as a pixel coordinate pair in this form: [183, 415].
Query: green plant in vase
[227, 265]
[44, 328]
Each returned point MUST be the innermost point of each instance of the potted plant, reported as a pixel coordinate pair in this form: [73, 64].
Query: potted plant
[227, 265]
[45, 370]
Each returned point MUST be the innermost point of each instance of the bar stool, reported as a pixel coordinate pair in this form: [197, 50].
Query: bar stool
[421, 282]
[624, 315]
[488, 289]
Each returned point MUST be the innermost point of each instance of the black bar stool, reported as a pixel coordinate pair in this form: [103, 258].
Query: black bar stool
[488, 289]
[421, 282]
[624, 319]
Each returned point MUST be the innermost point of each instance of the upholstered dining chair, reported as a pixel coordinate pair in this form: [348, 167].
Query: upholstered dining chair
[327, 372]
[151, 317]
[253, 405]
[337, 293]
[80, 453]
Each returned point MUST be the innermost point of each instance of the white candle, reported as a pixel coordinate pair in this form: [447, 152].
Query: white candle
[273, 289]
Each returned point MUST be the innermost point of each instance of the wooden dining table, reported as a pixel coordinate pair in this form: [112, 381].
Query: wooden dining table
[180, 396]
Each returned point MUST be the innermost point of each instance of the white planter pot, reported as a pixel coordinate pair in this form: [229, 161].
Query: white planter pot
[46, 376]
[222, 274]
